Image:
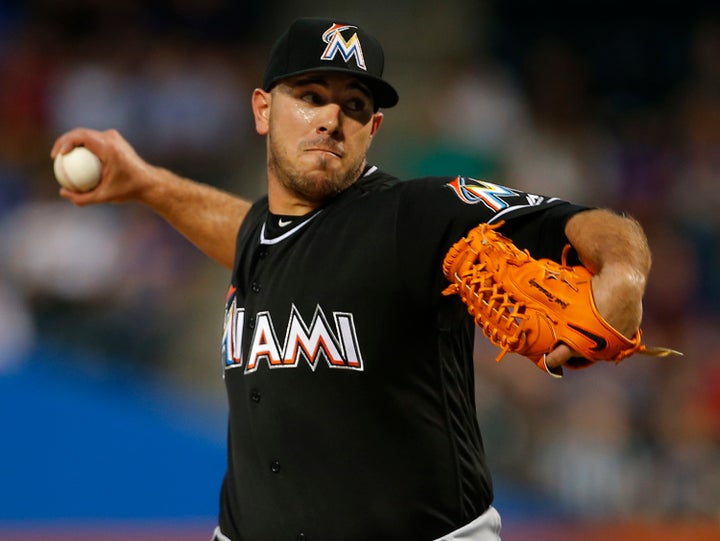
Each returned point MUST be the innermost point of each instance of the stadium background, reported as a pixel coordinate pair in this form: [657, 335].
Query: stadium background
[111, 401]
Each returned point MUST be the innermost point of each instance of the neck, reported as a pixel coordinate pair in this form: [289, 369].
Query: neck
[284, 202]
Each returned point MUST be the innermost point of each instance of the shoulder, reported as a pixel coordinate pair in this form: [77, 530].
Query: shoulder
[377, 180]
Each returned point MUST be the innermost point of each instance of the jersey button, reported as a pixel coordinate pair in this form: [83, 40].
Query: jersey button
[262, 253]
[301, 537]
[255, 287]
[255, 396]
[251, 322]
[275, 466]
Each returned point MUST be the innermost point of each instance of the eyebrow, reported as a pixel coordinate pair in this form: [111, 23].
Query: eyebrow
[318, 80]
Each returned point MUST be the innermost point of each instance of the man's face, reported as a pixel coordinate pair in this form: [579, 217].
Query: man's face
[319, 128]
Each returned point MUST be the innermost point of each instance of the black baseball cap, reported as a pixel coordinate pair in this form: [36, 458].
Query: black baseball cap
[320, 44]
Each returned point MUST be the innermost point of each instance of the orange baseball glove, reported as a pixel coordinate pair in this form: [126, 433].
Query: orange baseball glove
[528, 306]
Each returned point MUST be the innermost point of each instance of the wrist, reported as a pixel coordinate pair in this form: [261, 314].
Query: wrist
[618, 291]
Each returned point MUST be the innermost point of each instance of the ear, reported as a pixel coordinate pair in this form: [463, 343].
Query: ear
[261, 110]
[376, 122]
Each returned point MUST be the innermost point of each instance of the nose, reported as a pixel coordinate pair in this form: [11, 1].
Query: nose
[329, 119]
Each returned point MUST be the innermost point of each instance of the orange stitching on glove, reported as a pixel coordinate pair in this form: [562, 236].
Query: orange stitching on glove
[528, 306]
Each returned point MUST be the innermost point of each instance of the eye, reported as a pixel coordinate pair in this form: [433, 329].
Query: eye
[356, 105]
[311, 97]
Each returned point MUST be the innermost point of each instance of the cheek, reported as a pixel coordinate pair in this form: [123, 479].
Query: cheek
[362, 140]
[286, 126]
[305, 115]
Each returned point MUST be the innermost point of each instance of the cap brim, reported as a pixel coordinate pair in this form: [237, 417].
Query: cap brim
[384, 95]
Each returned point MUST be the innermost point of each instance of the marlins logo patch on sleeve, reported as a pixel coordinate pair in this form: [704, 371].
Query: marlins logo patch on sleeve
[500, 199]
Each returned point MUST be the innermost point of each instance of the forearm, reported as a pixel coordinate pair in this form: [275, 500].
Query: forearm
[208, 217]
[615, 249]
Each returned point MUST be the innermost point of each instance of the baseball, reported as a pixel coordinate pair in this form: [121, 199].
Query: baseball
[79, 170]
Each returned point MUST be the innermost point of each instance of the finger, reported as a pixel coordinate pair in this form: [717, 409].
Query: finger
[556, 372]
[66, 142]
[79, 199]
[74, 138]
[559, 356]
[553, 362]
[82, 199]
[556, 359]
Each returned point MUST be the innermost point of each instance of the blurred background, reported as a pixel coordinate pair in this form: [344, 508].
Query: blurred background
[112, 408]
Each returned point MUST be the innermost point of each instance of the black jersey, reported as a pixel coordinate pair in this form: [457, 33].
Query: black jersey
[349, 375]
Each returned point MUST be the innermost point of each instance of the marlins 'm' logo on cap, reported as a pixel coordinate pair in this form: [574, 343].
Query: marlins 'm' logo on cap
[336, 44]
[313, 44]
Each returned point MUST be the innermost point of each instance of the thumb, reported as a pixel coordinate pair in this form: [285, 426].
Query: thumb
[555, 360]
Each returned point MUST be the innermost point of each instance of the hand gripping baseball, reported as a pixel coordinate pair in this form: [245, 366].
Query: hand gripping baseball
[529, 306]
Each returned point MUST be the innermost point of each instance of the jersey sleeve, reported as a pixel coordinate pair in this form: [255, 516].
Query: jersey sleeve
[434, 213]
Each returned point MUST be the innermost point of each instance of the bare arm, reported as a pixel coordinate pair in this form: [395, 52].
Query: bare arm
[615, 249]
[206, 216]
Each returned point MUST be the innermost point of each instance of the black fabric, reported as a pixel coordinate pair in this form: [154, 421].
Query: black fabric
[317, 44]
[370, 432]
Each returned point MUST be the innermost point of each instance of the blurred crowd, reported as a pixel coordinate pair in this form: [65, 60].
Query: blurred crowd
[623, 112]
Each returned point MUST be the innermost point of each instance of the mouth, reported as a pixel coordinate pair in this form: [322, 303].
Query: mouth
[331, 152]
[323, 145]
